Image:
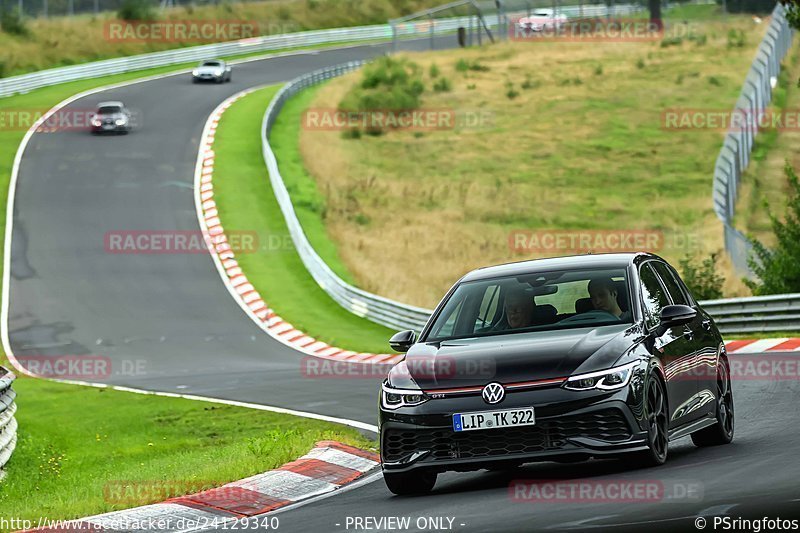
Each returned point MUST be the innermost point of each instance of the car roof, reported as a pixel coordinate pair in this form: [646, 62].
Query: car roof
[614, 260]
[110, 104]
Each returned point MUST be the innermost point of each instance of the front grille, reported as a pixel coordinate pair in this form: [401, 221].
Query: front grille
[607, 425]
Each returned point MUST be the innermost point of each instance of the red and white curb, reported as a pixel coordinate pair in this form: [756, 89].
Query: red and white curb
[763, 345]
[236, 281]
[327, 467]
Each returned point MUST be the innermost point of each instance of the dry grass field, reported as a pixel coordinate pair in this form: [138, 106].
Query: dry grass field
[572, 139]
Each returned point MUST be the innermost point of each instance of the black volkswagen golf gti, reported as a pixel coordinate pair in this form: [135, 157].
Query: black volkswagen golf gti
[554, 360]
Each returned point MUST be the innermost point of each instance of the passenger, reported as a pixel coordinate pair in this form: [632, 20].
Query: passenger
[603, 292]
[519, 309]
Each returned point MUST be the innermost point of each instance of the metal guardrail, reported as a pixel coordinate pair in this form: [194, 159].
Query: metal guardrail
[362, 303]
[734, 157]
[8, 424]
[754, 314]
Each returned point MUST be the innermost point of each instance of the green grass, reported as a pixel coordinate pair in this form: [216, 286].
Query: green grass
[77, 445]
[308, 202]
[246, 202]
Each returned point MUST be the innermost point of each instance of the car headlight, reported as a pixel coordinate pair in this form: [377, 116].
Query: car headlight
[195, 72]
[613, 378]
[394, 398]
[121, 121]
[96, 122]
[220, 72]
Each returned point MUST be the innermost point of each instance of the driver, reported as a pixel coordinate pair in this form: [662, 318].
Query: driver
[603, 292]
[519, 308]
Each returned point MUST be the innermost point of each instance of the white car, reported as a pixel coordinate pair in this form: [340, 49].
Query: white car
[542, 20]
[212, 70]
[111, 117]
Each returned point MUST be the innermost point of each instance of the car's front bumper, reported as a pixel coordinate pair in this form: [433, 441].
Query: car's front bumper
[208, 77]
[579, 426]
[110, 128]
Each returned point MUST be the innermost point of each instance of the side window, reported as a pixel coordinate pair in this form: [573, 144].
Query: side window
[673, 288]
[488, 308]
[653, 296]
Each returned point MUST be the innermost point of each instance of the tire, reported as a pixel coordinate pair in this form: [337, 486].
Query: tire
[722, 431]
[657, 421]
[410, 483]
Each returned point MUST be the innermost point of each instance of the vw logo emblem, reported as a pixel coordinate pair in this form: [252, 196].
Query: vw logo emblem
[493, 393]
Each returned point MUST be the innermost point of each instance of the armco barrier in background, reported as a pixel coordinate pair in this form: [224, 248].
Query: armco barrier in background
[8, 424]
[737, 315]
[735, 153]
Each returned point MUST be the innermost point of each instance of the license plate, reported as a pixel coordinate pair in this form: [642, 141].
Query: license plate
[493, 419]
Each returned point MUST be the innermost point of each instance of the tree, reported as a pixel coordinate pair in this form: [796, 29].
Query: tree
[702, 280]
[778, 268]
[655, 12]
[792, 12]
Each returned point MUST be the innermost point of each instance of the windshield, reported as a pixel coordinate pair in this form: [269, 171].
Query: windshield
[540, 301]
[109, 110]
[211, 64]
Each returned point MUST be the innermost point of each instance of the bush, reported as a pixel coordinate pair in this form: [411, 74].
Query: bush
[511, 93]
[530, 83]
[433, 71]
[598, 70]
[442, 85]
[702, 279]
[133, 10]
[387, 84]
[11, 22]
[671, 41]
[736, 38]
[462, 65]
[640, 63]
[777, 270]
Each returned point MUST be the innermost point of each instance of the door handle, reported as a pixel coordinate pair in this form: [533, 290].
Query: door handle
[707, 325]
[689, 334]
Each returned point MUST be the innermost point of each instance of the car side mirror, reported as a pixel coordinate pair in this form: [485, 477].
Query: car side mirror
[675, 315]
[402, 341]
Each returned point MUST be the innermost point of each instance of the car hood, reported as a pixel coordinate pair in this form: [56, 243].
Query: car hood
[209, 70]
[513, 358]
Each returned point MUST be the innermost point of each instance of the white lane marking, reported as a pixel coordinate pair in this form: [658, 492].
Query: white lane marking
[717, 510]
